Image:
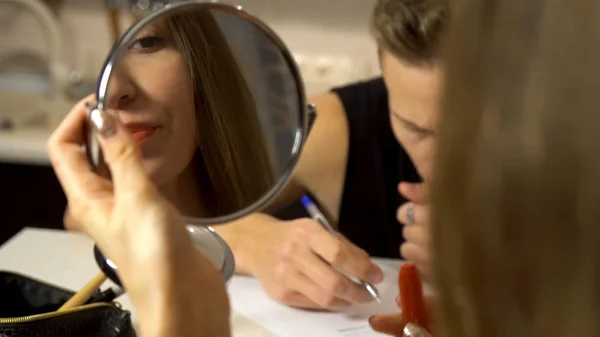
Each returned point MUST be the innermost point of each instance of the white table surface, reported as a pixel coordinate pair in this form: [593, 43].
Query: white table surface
[66, 259]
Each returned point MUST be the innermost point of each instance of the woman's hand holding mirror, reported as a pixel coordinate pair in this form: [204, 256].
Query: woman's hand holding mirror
[128, 215]
[100, 206]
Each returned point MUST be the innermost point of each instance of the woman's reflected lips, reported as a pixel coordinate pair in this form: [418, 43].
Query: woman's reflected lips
[141, 131]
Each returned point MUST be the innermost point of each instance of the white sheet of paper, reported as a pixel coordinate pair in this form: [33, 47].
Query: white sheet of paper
[248, 298]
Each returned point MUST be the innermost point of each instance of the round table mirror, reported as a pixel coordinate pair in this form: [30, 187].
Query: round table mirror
[216, 103]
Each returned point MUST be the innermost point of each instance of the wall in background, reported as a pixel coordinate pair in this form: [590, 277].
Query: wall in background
[331, 37]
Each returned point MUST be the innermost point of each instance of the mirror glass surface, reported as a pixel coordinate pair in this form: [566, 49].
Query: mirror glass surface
[214, 100]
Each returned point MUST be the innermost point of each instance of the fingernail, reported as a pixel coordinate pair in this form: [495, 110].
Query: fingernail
[104, 122]
[398, 300]
[414, 330]
[89, 106]
[410, 213]
[371, 319]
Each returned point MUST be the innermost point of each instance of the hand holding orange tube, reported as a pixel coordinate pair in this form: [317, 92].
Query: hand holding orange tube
[412, 301]
[413, 320]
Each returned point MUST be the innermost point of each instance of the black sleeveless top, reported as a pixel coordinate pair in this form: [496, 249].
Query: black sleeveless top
[376, 165]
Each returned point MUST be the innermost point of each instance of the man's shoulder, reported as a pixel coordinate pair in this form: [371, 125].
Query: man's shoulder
[373, 88]
[365, 106]
[363, 99]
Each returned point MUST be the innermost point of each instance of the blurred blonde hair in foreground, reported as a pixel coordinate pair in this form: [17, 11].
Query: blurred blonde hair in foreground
[516, 200]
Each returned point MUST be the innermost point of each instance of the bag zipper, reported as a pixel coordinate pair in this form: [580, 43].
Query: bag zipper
[39, 317]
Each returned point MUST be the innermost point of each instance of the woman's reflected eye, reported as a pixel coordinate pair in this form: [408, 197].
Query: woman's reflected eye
[147, 44]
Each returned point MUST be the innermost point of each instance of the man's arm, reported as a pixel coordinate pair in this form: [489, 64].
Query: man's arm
[299, 262]
[320, 170]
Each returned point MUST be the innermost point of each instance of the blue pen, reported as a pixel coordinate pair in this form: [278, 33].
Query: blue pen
[318, 216]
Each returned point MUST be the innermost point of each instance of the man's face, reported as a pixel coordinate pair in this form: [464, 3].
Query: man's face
[414, 93]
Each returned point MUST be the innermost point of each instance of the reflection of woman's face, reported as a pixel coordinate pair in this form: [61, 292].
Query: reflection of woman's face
[151, 91]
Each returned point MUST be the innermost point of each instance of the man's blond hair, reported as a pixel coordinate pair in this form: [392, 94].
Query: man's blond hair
[412, 30]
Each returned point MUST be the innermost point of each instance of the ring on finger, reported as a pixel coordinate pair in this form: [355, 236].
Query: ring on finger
[410, 214]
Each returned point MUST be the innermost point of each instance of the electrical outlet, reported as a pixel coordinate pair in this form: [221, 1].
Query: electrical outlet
[321, 72]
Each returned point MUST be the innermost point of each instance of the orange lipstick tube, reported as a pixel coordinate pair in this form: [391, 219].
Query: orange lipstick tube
[412, 301]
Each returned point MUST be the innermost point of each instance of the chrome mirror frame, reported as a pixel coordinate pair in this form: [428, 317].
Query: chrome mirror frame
[307, 111]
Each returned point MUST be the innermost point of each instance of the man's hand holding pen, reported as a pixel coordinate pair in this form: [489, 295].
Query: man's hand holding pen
[415, 216]
[302, 264]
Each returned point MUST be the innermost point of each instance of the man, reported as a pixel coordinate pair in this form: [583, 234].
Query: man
[370, 145]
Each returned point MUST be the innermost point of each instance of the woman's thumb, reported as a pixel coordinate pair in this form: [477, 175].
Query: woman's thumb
[121, 152]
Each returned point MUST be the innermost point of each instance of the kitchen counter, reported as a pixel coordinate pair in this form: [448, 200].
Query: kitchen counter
[24, 147]
[32, 119]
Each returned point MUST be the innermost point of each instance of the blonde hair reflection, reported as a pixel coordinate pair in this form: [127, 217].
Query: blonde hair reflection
[232, 163]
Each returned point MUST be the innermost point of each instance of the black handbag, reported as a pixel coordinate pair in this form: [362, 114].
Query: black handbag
[28, 309]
